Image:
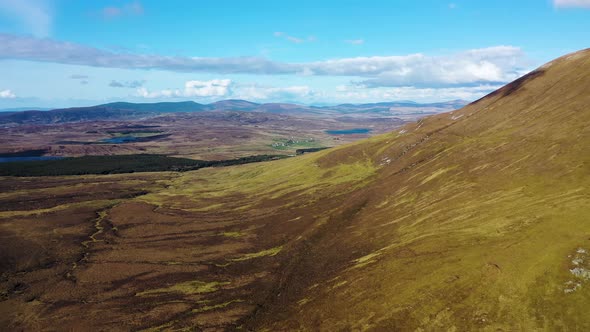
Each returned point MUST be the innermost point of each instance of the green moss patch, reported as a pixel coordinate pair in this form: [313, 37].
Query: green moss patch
[189, 287]
[264, 253]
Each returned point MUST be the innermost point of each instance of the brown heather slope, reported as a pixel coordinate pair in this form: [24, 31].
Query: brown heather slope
[478, 219]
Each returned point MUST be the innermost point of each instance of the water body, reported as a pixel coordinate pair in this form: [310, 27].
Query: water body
[13, 159]
[120, 139]
[348, 131]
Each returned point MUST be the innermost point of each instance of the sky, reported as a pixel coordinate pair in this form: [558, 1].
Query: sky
[65, 53]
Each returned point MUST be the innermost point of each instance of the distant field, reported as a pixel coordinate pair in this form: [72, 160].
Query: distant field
[290, 143]
[203, 136]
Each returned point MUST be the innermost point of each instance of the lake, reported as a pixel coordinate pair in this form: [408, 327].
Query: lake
[348, 131]
[119, 139]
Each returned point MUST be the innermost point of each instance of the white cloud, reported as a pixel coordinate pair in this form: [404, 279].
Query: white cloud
[571, 3]
[471, 67]
[275, 94]
[355, 41]
[204, 89]
[34, 14]
[488, 65]
[145, 93]
[355, 94]
[224, 88]
[7, 94]
[213, 88]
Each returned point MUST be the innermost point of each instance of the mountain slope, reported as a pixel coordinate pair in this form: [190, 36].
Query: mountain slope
[475, 219]
[112, 111]
[163, 107]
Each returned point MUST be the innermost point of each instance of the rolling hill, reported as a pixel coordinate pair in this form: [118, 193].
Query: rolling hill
[137, 111]
[476, 219]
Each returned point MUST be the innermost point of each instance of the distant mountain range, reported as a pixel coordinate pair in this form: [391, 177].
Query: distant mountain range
[20, 109]
[129, 111]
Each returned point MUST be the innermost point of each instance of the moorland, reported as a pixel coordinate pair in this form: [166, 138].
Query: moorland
[222, 130]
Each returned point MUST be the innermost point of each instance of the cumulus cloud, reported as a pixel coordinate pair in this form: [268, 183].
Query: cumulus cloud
[356, 94]
[472, 67]
[126, 84]
[490, 65]
[145, 93]
[265, 93]
[204, 89]
[224, 88]
[7, 94]
[355, 41]
[571, 3]
[211, 88]
[133, 8]
[34, 14]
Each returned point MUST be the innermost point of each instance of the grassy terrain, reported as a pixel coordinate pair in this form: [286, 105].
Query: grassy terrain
[471, 220]
[283, 144]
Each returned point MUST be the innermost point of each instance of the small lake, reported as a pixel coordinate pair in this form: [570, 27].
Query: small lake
[120, 139]
[37, 158]
[348, 131]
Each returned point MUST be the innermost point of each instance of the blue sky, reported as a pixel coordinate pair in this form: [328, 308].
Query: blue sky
[71, 53]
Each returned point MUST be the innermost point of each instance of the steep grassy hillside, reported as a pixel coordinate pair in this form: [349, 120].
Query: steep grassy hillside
[478, 219]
